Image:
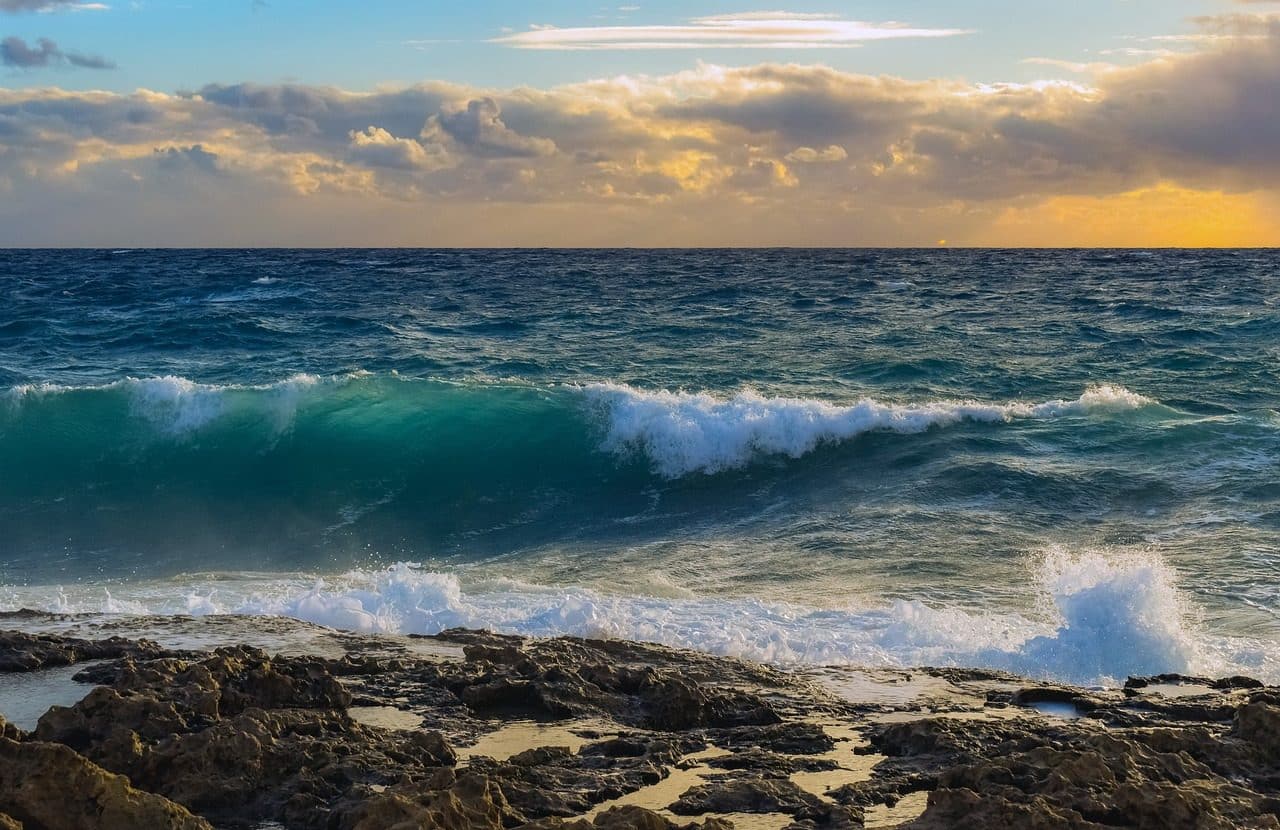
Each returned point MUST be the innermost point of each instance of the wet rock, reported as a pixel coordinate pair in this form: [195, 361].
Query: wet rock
[243, 739]
[638, 818]
[647, 687]
[556, 782]
[239, 737]
[465, 802]
[1258, 723]
[1077, 699]
[770, 763]
[753, 794]
[1221, 684]
[626, 817]
[51, 787]
[791, 738]
[887, 787]
[586, 678]
[1027, 774]
[21, 652]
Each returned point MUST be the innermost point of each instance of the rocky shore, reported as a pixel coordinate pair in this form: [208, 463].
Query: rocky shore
[474, 730]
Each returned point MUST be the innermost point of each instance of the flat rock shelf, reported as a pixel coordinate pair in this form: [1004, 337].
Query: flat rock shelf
[475, 730]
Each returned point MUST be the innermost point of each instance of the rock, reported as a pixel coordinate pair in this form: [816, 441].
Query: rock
[752, 794]
[1259, 724]
[8, 730]
[1024, 777]
[245, 739]
[555, 782]
[9, 823]
[51, 787]
[962, 809]
[770, 763]
[1222, 684]
[792, 738]
[467, 802]
[627, 817]
[239, 738]
[1079, 700]
[675, 704]
[630, 817]
[21, 652]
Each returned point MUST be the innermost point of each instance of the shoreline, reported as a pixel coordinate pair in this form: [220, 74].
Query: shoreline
[469, 729]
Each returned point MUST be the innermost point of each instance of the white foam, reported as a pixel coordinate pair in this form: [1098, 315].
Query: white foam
[177, 404]
[181, 406]
[1104, 617]
[683, 432]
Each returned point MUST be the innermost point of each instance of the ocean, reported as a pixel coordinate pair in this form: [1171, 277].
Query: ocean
[1064, 464]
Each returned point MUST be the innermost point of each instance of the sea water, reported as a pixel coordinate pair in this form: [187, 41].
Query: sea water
[1060, 463]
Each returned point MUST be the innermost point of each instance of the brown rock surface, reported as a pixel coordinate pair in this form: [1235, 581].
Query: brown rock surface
[21, 652]
[51, 787]
[242, 738]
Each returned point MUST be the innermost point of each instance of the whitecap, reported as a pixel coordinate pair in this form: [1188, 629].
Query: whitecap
[685, 432]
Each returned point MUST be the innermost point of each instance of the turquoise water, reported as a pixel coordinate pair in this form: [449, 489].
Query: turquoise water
[1060, 462]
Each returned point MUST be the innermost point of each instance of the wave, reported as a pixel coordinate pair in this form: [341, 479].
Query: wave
[680, 432]
[177, 405]
[1106, 617]
[685, 433]
[163, 472]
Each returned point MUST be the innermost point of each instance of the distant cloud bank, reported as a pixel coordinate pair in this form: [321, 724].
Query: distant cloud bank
[1177, 150]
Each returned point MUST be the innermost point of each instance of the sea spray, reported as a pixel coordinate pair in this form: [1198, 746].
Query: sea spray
[683, 432]
[1105, 616]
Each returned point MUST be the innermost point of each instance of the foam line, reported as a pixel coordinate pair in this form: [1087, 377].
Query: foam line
[1105, 617]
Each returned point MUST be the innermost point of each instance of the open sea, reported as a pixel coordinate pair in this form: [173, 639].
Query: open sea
[1064, 464]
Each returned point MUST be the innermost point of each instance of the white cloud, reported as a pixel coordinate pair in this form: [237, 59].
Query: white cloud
[749, 30]
[18, 6]
[808, 155]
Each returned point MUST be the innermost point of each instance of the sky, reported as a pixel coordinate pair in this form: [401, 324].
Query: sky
[390, 122]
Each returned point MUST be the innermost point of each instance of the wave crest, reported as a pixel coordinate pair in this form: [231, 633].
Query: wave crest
[684, 432]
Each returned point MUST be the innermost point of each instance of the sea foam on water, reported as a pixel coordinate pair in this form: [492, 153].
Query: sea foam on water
[1103, 616]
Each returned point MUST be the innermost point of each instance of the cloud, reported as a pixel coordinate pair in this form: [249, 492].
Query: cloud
[808, 155]
[15, 52]
[184, 159]
[19, 6]
[478, 126]
[1080, 67]
[751, 30]
[376, 147]
[1217, 26]
[764, 154]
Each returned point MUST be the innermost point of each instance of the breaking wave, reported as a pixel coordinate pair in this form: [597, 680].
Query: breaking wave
[681, 433]
[685, 433]
[163, 475]
[1103, 617]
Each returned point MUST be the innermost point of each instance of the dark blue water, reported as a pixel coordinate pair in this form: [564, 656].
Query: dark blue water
[1055, 461]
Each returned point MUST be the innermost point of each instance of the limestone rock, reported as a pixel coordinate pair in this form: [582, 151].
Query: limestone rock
[50, 786]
